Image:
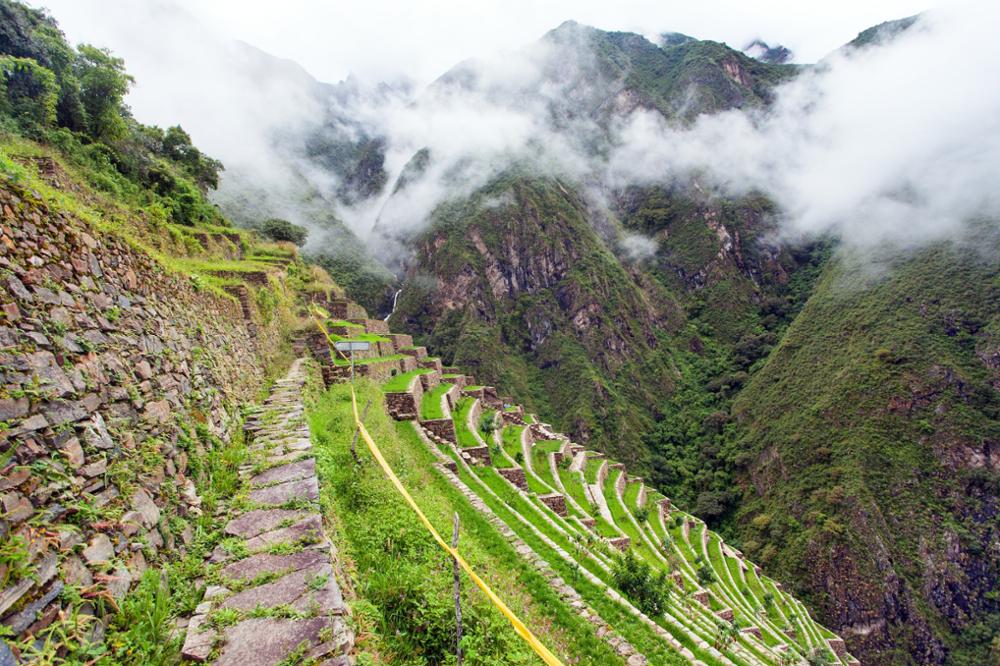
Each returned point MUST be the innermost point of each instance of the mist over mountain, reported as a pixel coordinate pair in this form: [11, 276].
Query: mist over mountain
[771, 287]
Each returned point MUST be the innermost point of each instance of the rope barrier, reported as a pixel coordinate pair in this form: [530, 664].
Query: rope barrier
[519, 627]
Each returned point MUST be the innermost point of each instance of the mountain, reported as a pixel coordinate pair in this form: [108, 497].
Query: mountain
[869, 457]
[715, 359]
[764, 52]
[834, 415]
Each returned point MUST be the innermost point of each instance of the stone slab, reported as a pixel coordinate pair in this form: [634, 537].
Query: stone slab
[301, 490]
[292, 472]
[258, 521]
[265, 563]
[269, 641]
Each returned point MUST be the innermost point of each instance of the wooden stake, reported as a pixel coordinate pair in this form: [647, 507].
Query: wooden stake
[458, 601]
[354, 442]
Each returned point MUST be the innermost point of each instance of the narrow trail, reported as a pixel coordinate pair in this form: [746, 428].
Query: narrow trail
[276, 584]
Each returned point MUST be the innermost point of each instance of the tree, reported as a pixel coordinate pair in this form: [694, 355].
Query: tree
[177, 146]
[636, 580]
[103, 85]
[29, 92]
[283, 230]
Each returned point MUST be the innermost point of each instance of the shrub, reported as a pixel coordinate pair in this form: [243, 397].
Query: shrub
[636, 580]
[282, 230]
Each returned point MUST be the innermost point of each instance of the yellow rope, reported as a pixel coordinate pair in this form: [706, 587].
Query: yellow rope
[518, 625]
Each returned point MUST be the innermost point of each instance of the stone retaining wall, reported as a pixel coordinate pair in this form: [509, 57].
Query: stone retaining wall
[433, 363]
[430, 380]
[556, 502]
[376, 326]
[378, 371]
[442, 429]
[400, 340]
[105, 358]
[479, 455]
[515, 475]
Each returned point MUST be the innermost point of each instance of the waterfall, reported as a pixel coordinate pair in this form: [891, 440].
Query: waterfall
[395, 299]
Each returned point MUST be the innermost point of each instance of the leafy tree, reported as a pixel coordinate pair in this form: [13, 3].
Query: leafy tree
[636, 580]
[103, 85]
[30, 92]
[283, 230]
[177, 146]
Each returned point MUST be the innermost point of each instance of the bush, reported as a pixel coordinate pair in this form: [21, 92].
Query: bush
[282, 230]
[635, 579]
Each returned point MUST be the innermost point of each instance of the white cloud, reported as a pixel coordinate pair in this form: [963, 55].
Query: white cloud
[899, 144]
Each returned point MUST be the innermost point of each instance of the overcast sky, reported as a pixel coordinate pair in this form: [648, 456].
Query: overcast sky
[382, 39]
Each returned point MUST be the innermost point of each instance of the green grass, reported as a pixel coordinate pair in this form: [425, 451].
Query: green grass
[401, 382]
[592, 467]
[366, 361]
[511, 436]
[466, 438]
[430, 404]
[404, 608]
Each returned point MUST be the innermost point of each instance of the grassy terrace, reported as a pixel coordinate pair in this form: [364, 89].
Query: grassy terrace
[511, 436]
[466, 437]
[593, 466]
[366, 361]
[631, 497]
[404, 593]
[344, 324]
[662, 547]
[401, 382]
[430, 404]
[504, 501]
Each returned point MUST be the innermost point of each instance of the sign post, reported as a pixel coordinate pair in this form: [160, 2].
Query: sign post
[351, 346]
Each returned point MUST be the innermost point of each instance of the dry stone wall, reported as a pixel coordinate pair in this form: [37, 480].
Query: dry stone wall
[104, 358]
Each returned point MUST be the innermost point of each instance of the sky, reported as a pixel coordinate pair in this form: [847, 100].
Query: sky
[897, 144]
[383, 39]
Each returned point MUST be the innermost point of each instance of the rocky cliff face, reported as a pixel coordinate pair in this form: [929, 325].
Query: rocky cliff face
[527, 293]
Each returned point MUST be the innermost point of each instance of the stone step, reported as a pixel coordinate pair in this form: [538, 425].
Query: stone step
[300, 576]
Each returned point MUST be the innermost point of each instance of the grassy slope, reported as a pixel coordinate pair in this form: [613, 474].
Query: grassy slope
[861, 436]
[403, 581]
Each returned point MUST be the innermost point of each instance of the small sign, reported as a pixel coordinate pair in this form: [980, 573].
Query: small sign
[349, 345]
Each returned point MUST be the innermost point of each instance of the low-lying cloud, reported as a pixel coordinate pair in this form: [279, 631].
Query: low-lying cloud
[898, 144]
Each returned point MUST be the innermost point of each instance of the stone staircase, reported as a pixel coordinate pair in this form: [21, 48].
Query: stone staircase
[276, 599]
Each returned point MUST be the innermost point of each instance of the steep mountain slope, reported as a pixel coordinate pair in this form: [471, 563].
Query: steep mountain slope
[871, 461]
[516, 285]
[550, 282]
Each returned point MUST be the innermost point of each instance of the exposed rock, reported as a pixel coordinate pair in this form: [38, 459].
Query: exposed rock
[100, 550]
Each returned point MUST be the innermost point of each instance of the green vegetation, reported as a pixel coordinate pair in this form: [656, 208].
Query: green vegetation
[282, 230]
[466, 436]
[642, 572]
[404, 610]
[430, 405]
[401, 382]
[879, 378]
[649, 591]
[73, 100]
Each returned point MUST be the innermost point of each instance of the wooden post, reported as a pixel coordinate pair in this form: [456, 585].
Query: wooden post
[458, 601]
[357, 431]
